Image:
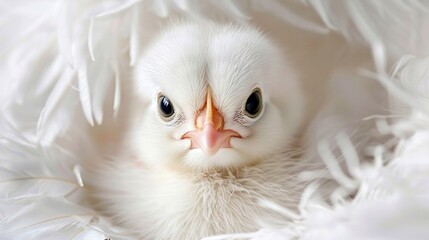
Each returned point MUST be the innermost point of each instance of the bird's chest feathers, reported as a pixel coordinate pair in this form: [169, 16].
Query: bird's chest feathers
[202, 193]
[216, 202]
[193, 205]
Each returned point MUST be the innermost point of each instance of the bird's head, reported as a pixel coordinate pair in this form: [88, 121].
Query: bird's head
[213, 97]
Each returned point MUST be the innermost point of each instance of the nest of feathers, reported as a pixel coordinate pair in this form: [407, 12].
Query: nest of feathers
[363, 66]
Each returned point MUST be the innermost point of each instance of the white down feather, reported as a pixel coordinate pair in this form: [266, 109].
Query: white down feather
[51, 57]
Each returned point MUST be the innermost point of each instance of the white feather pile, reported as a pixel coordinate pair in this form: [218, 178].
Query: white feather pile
[61, 60]
[389, 198]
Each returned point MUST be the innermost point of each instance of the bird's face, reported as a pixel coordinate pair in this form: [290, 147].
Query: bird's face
[213, 97]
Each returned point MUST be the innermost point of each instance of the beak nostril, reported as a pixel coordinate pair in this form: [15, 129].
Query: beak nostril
[200, 120]
[218, 121]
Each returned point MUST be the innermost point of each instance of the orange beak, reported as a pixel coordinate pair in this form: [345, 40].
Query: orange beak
[209, 135]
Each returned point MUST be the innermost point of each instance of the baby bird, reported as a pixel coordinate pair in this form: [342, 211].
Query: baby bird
[215, 110]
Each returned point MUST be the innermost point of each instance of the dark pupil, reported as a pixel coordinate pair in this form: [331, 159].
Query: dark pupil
[253, 103]
[166, 107]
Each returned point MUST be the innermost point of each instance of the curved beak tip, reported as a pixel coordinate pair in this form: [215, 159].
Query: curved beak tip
[210, 140]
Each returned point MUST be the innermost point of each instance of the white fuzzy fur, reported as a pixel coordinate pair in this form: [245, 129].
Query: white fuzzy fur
[172, 192]
[58, 61]
[163, 204]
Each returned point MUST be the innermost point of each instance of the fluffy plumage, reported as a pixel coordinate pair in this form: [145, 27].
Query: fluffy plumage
[173, 191]
[51, 54]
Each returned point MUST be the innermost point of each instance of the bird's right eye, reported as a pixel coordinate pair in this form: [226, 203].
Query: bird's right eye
[253, 104]
[165, 108]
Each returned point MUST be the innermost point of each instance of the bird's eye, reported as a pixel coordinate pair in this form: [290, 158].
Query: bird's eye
[165, 108]
[253, 105]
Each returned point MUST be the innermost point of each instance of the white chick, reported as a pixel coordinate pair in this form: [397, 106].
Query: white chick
[216, 109]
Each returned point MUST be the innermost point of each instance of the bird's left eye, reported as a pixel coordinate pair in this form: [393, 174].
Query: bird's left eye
[253, 107]
[165, 108]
